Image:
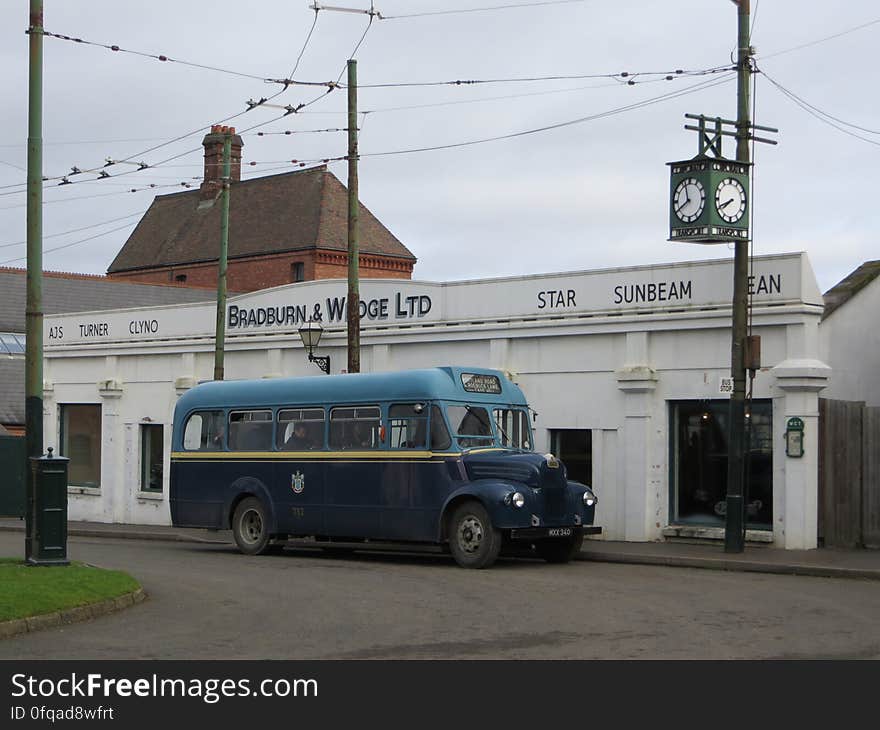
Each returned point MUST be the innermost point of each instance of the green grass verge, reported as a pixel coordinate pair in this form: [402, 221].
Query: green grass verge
[32, 590]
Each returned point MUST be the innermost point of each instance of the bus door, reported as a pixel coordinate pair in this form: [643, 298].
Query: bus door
[352, 504]
[413, 481]
[299, 483]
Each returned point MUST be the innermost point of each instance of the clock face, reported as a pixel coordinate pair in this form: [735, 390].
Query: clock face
[688, 200]
[730, 200]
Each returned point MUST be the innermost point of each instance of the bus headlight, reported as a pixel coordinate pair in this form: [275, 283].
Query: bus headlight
[589, 498]
[516, 499]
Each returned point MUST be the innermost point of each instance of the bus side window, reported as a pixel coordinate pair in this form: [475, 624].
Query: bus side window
[300, 429]
[250, 431]
[204, 431]
[440, 440]
[409, 426]
[355, 428]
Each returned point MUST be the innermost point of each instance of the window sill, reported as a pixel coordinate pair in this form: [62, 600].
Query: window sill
[154, 496]
[86, 491]
[696, 532]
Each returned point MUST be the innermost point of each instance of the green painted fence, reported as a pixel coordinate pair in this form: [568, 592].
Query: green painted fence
[12, 476]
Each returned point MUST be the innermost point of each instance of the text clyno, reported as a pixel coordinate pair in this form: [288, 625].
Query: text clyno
[143, 326]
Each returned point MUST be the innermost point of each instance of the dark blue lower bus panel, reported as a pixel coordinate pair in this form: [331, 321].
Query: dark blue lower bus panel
[441, 456]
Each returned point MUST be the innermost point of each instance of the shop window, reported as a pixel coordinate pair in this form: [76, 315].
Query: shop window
[297, 271]
[152, 457]
[81, 443]
[574, 447]
[699, 436]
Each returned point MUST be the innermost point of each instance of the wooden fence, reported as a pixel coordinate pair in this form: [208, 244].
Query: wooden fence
[849, 474]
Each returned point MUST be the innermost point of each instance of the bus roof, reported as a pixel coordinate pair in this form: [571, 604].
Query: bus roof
[442, 383]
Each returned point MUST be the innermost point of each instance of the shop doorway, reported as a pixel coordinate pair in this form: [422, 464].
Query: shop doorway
[574, 447]
[698, 447]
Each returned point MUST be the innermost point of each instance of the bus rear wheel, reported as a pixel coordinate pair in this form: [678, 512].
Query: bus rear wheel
[250, 527]
[560, 551]
[473, 540]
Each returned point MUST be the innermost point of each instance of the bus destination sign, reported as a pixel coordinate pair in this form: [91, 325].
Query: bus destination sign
[474, 383]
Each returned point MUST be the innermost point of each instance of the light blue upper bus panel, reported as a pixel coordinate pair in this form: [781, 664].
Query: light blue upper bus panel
[435, 384]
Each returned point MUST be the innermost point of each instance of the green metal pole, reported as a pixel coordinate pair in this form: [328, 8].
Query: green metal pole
[734, 534]
[354, 297]
[220, 329]
[33, 380]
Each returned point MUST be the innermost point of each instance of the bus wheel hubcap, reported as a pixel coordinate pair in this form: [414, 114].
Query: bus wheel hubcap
[251, 526]
[470, 534]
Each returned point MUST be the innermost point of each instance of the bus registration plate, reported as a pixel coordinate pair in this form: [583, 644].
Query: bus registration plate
[559, 532]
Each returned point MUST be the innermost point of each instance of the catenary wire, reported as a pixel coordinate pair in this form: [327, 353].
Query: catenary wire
[822, 116]
[69, 245]
[460, 11]
[76, 230]
[820, 40]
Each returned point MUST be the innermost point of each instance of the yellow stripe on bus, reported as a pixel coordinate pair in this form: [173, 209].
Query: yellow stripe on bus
[310, 455]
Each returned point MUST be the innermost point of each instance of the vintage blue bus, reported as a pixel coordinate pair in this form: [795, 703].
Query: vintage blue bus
[441, 456]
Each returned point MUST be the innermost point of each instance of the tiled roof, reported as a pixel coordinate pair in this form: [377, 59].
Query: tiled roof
[306, 209]
[83, 293]
[845, 290]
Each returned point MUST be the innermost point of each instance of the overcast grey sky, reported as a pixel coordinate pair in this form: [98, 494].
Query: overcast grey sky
[584, 196]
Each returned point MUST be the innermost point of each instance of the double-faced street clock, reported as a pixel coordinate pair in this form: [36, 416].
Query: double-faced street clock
[709, 200]
[709, 194]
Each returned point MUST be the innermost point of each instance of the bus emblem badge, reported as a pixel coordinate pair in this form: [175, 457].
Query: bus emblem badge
[297, 483]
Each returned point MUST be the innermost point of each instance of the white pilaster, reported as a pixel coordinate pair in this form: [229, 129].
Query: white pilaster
[796, 480]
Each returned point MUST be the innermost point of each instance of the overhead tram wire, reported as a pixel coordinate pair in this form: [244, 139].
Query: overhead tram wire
[701, 86]
[96, 195]
[461, 11]
[820, 40]
[70, 245]
[631, 79]
[623, 77]
[829, 119]
[601, 115]
[77, 230]
[250, 105]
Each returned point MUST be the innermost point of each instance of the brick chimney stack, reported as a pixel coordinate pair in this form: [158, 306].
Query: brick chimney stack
[213, 144]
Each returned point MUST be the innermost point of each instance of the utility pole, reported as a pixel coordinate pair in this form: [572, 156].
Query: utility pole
[34, 305]
[354, 297]
[734, 537]
[220, 329]
[33, 385]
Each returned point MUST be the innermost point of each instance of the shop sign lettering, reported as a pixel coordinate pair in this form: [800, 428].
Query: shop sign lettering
[332, 310]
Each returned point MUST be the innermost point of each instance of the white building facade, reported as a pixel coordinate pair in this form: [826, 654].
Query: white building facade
[624, 367]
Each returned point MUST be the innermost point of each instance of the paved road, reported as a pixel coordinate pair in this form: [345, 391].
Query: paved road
[208, 601]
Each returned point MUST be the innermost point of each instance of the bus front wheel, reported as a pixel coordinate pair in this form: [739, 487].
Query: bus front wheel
[250, 527]
[473, 540]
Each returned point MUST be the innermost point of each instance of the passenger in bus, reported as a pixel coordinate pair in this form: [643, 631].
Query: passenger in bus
[362, 437]
[300, 440]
